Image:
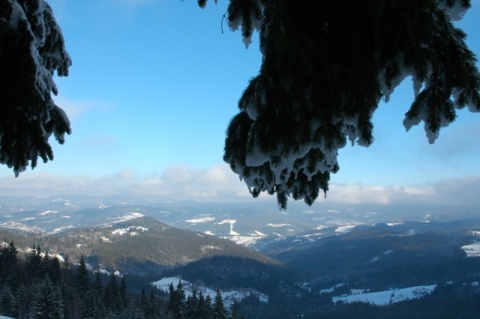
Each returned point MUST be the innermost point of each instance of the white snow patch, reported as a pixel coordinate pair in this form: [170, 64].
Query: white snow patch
[260, 233]
[209, 247]
[103, 271]
[387, 297]
[227, 221]
[130, 216]
[394, 224]
[331, 289]
[200, 220]
[129, 230]
[248, 239]
[231, 222]
[22, 227]
[59, 257]
[60, 229]
[105, 239]
[277, 225]
[472, 250]
[120, 232]
[48, 212]
[344, 229]
[209, 232]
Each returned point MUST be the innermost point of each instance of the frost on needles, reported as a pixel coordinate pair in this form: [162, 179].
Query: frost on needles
[31, 50]
[326, 66]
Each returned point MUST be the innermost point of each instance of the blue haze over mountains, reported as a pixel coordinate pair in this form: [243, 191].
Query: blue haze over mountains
[256, 218]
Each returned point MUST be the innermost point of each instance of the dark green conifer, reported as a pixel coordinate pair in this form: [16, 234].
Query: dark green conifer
[81, 277]
[31, 51]
[219, 311]
[47, 301]
[176, 301]
[191, 306]
[234, 314]
[9, 265]
[123, 292]
[111, 293]
[326, 66]
[33, 265]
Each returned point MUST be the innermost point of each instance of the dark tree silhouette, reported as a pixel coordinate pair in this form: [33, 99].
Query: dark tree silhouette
[31, 50]
[326, 66]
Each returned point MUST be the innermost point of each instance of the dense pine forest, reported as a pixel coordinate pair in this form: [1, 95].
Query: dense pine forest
[40, 286]
[36, 284]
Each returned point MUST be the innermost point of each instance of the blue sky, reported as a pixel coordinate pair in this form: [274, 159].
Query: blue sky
[153, 86]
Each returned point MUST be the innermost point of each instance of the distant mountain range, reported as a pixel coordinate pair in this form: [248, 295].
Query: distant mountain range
[129, 236]
[295, 257]
[244, 223]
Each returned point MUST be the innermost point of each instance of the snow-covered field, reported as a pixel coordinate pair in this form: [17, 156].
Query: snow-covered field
[387, 297]
[472, 250]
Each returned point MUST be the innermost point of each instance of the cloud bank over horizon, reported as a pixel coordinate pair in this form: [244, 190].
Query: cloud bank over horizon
[219, 184]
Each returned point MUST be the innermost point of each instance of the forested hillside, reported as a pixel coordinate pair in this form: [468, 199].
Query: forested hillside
[40, 286]
[141, 245]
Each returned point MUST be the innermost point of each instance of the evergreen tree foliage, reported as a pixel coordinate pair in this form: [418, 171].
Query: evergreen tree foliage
[123, 292]
[326, 66]
[234, 314]
[7, 300]
[191, 306]
[31, 50]
[53, 269]
[33, 264]
[208, 307]
[82, 279]
[111, 293]
[203, 309]
[219, 311]
[176, 301]
[38, 296]
[194, 307]
[8, 265]
[47, 302]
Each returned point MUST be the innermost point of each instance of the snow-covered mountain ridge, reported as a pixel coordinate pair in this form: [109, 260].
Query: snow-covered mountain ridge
[245, 223]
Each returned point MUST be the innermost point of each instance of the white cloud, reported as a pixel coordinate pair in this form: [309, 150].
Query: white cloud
[178, 174]
[218, 183]
[125, 175]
